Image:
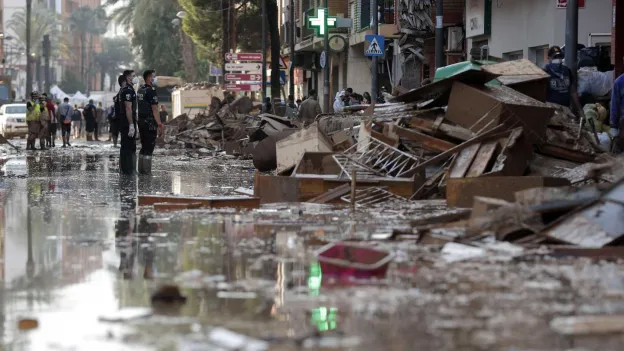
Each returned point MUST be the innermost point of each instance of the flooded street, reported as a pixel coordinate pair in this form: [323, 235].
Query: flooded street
[83, 260]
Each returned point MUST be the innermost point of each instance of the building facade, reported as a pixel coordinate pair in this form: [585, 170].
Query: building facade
[513, 29]
[349, 66]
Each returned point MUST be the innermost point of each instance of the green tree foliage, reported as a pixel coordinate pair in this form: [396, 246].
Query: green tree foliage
[42, 22]
[71, 82]
[152, 32]
[204, 24]
[86, 22]
[116, 53]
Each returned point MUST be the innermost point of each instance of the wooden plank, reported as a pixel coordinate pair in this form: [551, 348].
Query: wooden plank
[460, 192]
[332, 194]
[169, 207]
[565, 153]
[463, 161]
[275, 188]
[244, 202]
[452, 131]
[427, 141]
[445, 155]
[483, 159]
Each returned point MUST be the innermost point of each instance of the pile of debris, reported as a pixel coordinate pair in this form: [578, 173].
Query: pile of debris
[222, 123]
[483, 133]
[510, 166]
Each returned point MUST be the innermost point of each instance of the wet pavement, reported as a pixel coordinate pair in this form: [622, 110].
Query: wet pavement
[80, 258]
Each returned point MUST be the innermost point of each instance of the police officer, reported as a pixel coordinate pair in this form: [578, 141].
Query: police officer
[149, 120]
[32, 119]
[115, 116]
[127, 124]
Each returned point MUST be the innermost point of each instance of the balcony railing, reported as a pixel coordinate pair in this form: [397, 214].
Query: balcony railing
[362, 17]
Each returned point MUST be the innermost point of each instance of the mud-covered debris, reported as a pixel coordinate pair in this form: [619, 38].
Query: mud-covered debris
[27, 324]
[585, 325]
[230, 340]
[168, 294]
[126, 314]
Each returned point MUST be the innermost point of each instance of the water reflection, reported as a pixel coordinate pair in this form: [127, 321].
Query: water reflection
[133, 239]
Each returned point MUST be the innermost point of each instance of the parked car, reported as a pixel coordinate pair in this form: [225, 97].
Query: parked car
[13, 120]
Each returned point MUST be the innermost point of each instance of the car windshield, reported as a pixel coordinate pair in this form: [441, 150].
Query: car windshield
[15, 109]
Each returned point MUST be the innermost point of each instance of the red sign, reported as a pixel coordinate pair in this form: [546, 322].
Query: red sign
[238, 76]
[243, 56]
[242, 87]
[562, 4]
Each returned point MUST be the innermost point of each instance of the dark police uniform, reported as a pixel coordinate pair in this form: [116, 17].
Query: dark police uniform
[148, 128]
[113, 120]
[127, 150]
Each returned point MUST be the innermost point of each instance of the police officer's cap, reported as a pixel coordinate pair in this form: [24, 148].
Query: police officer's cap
[555, 52]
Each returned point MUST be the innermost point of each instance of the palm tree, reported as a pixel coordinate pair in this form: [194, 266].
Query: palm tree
[87, 21]
[116, 52]
[124, 15]
[42, 22]
[415, 25]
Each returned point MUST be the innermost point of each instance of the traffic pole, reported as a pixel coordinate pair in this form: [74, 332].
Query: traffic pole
[375, 29]
[326, 68]
[571, 35]
[264, 50]
[29, 77]
[291, 71]
[439, 35]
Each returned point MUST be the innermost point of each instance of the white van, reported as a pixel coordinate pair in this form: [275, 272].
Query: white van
[13, 120]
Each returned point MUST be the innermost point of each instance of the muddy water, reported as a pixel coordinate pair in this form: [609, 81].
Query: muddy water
[80, 258]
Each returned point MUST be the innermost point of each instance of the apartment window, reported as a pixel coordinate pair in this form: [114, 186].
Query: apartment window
[538, 55]
[364, 16]
[513, 55]
[387, 12]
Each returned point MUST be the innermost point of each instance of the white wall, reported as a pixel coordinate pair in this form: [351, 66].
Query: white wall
[358, 69]
[522, 24]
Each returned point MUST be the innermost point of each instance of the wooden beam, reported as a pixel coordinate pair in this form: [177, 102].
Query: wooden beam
[427, 141]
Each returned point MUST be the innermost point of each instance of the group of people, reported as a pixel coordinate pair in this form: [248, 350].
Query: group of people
[44, 118]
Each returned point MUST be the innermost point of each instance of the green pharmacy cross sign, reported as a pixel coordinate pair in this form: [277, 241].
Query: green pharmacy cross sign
[321, 22]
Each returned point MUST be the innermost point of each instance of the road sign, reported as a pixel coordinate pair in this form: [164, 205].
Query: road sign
[215, 71]
[255, 67]
[323, 59]
[243, 56]
[282, 64]
[321, 22]
[375, 46]
[242, 87]
[239, 76]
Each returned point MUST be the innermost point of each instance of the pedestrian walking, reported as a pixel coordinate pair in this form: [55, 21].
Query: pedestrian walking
[32, 120]
[291, 108]
[44, 121]
[127, 123]
[149, 120]
[76, 123]
[100, 121]
[90, 124]
[65, 120]
[309, 109]
[164, 116]
[51, 136]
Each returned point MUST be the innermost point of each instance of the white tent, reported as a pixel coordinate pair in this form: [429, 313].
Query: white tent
[79, 96]
[58, 93]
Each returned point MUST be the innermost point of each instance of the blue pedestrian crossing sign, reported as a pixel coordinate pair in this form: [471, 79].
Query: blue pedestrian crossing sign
[375, 45]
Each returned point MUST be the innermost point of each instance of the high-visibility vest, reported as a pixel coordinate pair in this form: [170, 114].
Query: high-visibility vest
[32, 116]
